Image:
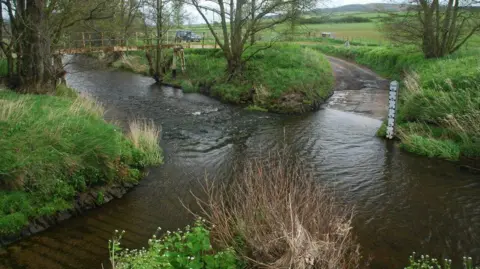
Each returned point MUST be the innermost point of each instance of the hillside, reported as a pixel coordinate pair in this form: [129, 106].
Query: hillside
[362, 8]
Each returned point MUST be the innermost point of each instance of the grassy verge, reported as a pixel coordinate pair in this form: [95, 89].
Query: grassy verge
[54, 147]
[285, 78]
[438, 113]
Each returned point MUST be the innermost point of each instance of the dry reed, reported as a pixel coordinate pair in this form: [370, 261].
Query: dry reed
[275, 215]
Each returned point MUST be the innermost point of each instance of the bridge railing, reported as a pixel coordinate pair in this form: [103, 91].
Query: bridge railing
[79, 40]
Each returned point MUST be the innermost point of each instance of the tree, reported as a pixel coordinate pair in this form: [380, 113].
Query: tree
[240, 20]
[438, 27]
[158, 13]
[177, 13]
[36, 27]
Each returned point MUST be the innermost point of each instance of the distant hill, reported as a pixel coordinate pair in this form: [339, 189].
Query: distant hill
[362, 8]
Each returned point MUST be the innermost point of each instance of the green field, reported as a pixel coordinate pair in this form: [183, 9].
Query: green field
[366, 33]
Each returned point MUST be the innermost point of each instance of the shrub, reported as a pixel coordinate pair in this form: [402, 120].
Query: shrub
[190, 248]
[274, 215]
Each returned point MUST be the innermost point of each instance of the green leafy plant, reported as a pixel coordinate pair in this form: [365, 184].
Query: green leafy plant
[425, 261]
[100, 198]
[190, 248]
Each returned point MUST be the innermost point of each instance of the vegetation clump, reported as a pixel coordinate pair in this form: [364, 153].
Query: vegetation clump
[54, 147]
[275, 215]
[425, 261]
[190, 248]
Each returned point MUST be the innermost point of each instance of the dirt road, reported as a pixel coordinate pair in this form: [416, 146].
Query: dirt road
[358, 90]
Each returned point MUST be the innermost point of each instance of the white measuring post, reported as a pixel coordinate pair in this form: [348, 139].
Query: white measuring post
[392, 109]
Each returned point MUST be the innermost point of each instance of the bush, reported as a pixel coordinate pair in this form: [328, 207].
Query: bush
[54, 147]
[190, 248]
[275, 215]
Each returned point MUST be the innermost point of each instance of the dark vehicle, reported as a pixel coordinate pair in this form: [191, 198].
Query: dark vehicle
[187, 36]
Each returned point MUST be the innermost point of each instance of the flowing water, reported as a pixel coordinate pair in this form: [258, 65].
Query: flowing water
[403, 203]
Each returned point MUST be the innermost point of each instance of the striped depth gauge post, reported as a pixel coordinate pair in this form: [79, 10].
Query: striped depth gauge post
[392, 109]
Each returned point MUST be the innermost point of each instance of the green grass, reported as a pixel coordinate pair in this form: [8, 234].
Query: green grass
[55, 147]
[439, 98]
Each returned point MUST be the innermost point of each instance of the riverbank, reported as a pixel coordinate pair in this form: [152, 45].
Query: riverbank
[282, 79]
[58, 153]
[439, 108]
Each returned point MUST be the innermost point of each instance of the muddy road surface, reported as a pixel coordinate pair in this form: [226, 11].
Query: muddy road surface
[358, 90]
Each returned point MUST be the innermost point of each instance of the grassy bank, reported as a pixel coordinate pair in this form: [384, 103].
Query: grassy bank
[439, 109]
[284, 78]
[54, 148]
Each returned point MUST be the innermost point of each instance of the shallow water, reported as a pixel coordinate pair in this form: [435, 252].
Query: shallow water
[403, 203]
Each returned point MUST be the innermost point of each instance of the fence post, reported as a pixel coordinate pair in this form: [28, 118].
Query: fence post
[83, 39]
[203, 40]
[174, 64]
[392, 109]
[215, 42]
[168, 33]
[90, 37]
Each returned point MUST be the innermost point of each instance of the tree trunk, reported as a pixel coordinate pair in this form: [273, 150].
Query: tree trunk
[159, 57]
[34, 59]
[235, 65]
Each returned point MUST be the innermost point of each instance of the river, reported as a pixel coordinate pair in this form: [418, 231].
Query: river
[403, 203]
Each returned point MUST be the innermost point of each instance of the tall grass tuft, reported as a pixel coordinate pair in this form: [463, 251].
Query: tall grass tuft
[275, 215]
[85, 104]
[145, 135]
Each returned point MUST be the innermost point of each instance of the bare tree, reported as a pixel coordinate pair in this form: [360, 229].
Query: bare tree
[129, 12]
[158, 13]
[438, 27]
[242, 19]
[178, 13]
